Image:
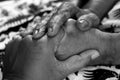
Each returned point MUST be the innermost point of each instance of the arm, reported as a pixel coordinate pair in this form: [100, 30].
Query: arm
[100, 7]
[27, 59]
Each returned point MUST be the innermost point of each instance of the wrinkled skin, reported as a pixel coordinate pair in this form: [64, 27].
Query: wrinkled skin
[84, 17]
[30, 59]
[53, 58]
[75, 41]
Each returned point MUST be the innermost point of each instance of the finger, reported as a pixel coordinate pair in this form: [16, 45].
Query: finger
[38, 33]
[40, 29]
[85, 22]
[77, 62]
[31, 26]
[63, 14]
[40, 24]
[70, 26]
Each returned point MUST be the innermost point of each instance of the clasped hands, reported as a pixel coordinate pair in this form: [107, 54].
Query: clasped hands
[62, 50]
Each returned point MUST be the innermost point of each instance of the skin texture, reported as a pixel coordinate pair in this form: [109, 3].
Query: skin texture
[29, 59]
[87, 18]
[68, 10]
[75, 41]
[55, 57]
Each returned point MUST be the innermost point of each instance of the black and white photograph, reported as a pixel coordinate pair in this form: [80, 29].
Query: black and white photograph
[59, 39]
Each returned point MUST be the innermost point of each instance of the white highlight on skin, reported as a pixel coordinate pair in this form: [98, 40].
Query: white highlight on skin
[95, 54]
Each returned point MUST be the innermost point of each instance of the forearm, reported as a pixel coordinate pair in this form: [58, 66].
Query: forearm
[100, 7]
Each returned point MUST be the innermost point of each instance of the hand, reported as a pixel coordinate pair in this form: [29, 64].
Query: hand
[56, 19]
[28, 59]
[86, 19]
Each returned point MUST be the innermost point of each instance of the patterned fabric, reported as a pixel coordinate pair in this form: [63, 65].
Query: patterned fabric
[16, 17]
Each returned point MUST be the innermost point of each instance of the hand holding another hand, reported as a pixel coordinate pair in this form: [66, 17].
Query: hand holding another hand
[29, 59]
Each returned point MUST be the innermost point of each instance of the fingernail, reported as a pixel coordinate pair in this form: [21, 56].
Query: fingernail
[83, 25]
[36, 32]
[50, 30]
[94, 55]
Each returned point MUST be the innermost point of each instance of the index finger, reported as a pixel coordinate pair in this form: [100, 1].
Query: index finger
[65, 11]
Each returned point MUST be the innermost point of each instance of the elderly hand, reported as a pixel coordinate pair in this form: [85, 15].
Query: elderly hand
[29, 59]
[89, 16]
[86, 19]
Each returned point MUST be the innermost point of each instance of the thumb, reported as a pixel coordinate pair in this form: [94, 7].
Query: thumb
[85, 22]
[77, 62]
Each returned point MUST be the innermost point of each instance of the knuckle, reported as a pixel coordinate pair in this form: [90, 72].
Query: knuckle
[91, 18]
[71, 27]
